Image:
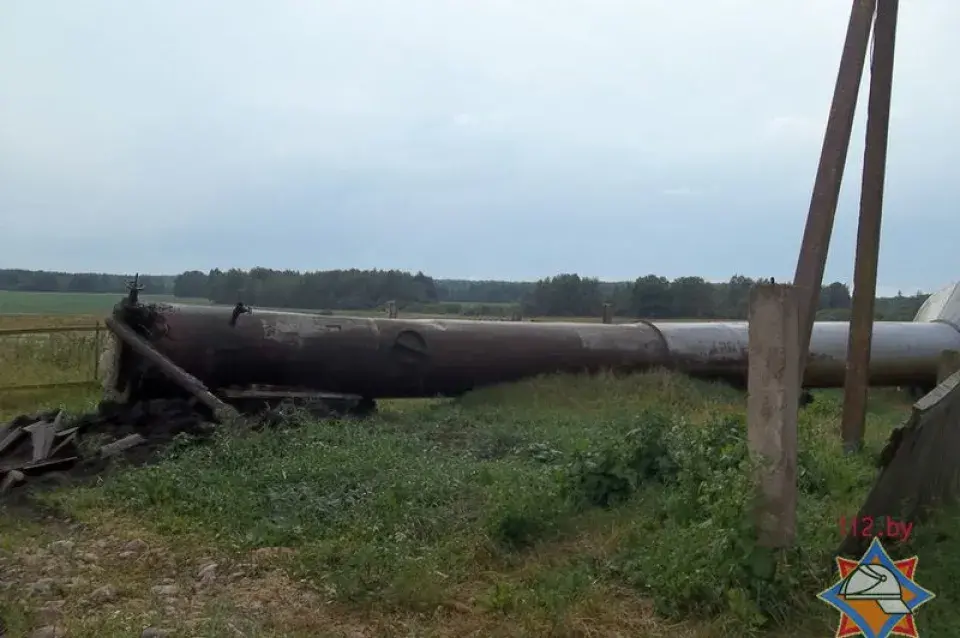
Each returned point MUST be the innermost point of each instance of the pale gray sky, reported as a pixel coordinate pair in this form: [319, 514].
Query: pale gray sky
[467, 138]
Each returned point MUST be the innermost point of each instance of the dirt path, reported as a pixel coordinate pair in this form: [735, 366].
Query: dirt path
[62, 578]
[112, 579]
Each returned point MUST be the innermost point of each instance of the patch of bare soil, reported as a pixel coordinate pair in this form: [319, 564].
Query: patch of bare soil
[66, 579]
[60, 578]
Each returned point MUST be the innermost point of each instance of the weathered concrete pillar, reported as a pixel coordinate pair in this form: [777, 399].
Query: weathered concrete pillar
[773, 383]
[392, 309]
[607, 313]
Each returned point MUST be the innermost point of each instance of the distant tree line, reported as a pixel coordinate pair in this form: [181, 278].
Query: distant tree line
[331, 289]
[49, 281]
[656, 297]
[564, 295]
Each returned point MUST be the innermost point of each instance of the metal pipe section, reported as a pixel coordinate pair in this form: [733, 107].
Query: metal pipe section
[903, 353]
[395, 358]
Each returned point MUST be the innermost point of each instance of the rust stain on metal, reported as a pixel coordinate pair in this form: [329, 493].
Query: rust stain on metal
[724, 348]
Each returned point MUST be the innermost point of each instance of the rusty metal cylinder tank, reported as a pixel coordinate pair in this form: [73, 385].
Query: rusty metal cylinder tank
[388, 357]
[428, 357]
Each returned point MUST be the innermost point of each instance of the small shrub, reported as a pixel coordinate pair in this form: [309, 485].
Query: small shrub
[522, 519]
[702, 558]
[611, 475]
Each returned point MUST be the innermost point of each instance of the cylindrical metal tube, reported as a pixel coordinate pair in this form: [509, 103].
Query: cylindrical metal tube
[388, 357]
[902, 352]
[429, 357]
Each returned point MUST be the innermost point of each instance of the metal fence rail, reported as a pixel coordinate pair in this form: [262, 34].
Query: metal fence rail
[12, 332]
[66, 352]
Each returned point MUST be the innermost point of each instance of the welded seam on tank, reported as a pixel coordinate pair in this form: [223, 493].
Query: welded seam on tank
[667, 352]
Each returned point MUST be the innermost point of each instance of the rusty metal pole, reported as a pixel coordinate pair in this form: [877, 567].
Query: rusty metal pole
[833, 158]
[856, 382]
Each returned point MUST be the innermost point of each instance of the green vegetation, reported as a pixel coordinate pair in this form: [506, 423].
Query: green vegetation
[566, 295]
[69, 303]
[44, 359]
[537, 506]
[50, 281]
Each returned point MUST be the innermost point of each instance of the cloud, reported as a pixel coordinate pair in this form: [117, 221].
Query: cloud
[793, 129]
[496, 139]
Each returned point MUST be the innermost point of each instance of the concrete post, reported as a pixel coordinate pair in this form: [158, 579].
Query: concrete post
[392, 309]
[607, 313]
[773, 383]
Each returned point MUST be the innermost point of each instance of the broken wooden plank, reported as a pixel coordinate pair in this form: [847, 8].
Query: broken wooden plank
[12, 439]
[121, 445]
[26, 419]
[63, 434]
[68, 442]
[49, 465]
[41, 434]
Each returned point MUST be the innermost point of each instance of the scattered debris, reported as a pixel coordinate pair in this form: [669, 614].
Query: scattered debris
[34, 445]
[41, 434]
[118, 447]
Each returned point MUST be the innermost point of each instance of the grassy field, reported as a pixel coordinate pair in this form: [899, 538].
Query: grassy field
[560, 506]
[63, 308]
[68, 303]
[555, 507]
[69, 357]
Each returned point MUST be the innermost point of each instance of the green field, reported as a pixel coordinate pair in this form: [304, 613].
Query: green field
[69, 303]
[28, 309]
[85, 303]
